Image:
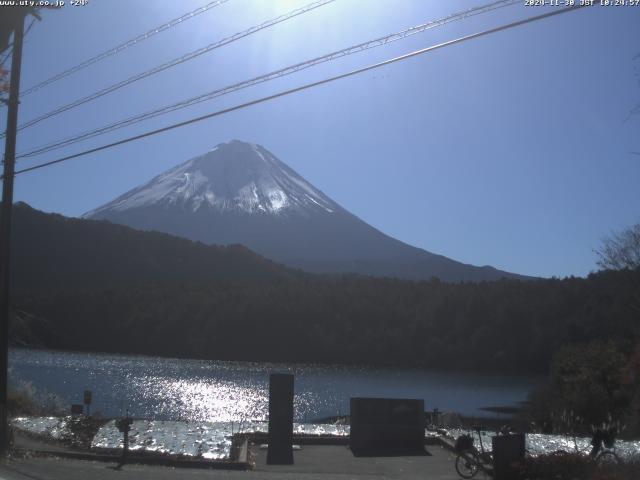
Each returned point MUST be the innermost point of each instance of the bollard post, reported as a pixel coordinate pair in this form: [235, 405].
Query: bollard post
[124, 425]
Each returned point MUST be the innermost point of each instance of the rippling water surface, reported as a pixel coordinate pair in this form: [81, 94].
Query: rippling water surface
[210, 440]
[155, 388]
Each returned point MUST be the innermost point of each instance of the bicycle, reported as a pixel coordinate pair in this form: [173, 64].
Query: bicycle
[470, 460]
[602, 448]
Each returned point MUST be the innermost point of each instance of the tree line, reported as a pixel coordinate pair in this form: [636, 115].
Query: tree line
[505, 325]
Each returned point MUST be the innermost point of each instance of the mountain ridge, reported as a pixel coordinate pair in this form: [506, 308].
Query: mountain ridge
[240, 193]
[88, 254]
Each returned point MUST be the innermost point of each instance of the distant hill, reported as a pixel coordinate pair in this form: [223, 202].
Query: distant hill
[240, 193]
[52, 251]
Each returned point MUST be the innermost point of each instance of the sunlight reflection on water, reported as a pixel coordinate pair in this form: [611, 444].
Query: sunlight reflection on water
[156, 388]
[204, 400]
[208, 440]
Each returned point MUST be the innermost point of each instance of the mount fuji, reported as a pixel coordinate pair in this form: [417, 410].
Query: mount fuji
[240, 193]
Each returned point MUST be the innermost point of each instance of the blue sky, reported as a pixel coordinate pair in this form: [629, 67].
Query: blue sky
[511, 150]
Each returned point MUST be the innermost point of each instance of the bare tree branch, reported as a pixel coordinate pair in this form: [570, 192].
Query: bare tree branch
[621, 250]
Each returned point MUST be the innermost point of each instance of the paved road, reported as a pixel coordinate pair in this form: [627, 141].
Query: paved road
[311, 463]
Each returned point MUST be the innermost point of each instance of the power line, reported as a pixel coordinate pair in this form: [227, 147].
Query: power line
[267, 77]
[26, 32]
[176, 61]
[305, 87]
[123, 46]
[6, 57]
[10, 46]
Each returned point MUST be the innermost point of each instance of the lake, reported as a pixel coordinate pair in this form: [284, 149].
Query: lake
[157, 388]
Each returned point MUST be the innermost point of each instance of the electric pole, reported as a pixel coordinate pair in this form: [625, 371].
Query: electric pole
[5, 224]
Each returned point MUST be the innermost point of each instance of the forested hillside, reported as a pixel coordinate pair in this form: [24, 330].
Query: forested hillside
[505, 325]
[52, 251]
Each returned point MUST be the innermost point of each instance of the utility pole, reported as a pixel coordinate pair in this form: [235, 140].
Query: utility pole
[5, 224]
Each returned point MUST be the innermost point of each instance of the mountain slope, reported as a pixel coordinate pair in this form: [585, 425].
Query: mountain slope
[241, 193]
[52, 251]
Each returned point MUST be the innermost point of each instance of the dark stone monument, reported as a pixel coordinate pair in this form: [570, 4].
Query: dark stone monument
[280, 451]
[387, 426]
[508, 455]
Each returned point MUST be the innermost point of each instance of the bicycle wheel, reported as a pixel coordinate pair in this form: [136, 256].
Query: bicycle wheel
[467, 464]
[607, 458]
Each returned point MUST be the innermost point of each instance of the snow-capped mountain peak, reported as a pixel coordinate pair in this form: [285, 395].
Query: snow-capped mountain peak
[240, 193]
[233, 176]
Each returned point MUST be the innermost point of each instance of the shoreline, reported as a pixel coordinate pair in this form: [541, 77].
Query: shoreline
[240, 443]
